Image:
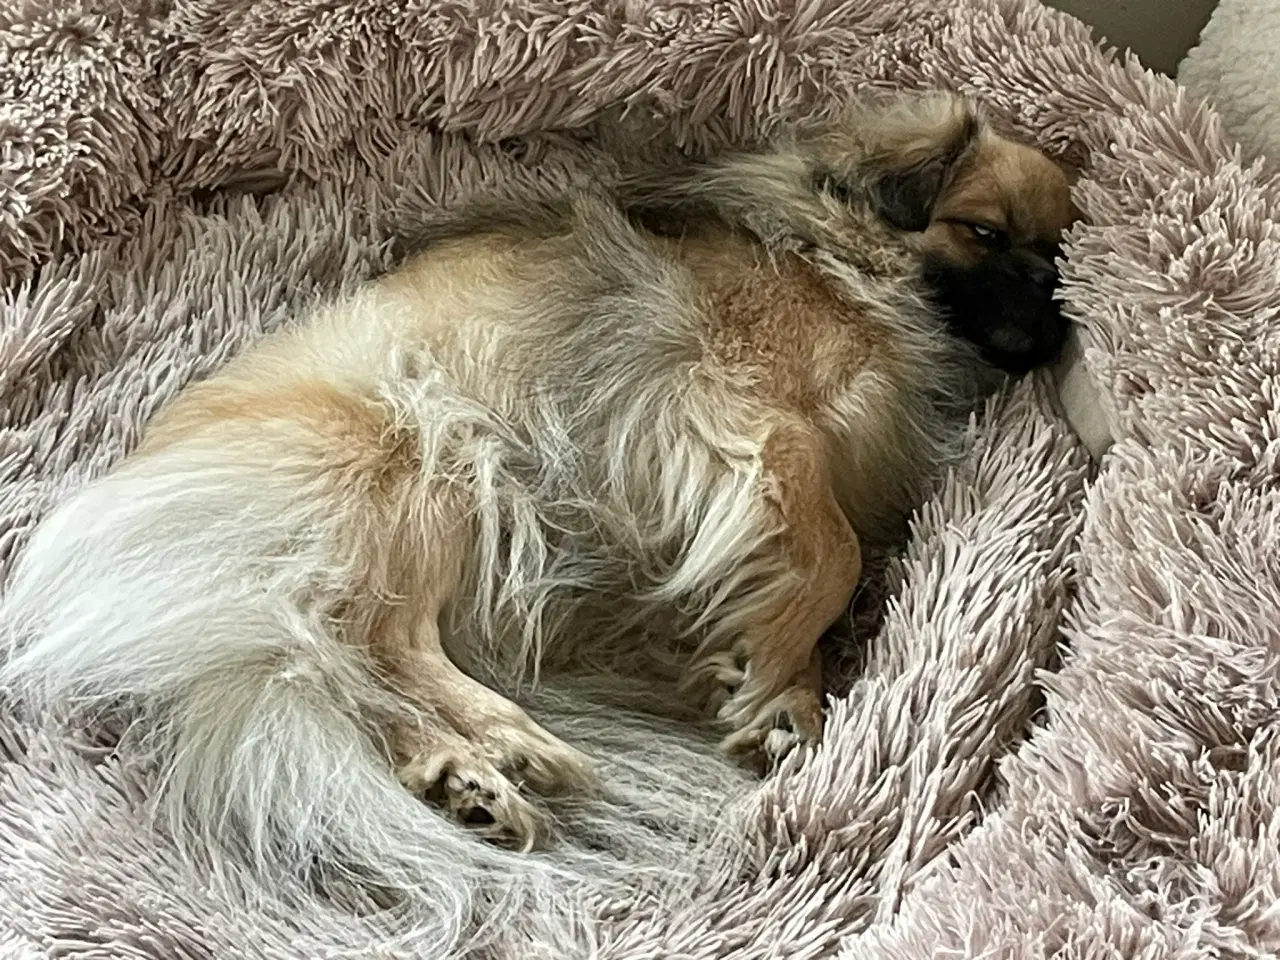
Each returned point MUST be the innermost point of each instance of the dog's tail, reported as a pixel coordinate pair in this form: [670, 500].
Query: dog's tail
[192, 591]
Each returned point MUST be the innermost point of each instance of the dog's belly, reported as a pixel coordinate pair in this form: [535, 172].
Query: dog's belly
[605, 509]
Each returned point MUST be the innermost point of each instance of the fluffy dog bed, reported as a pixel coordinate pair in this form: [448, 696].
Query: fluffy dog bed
[1058, 734]
[1236, 68]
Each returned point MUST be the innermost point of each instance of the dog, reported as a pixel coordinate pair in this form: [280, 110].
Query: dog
[557, 436]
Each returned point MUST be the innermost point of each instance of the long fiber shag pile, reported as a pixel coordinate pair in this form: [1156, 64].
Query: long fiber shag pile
[1058, 734]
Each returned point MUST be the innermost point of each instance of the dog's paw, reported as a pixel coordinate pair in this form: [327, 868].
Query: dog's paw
[768, 731]
[460, 779]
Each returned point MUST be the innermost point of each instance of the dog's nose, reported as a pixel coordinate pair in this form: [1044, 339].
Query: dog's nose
[1044, 277]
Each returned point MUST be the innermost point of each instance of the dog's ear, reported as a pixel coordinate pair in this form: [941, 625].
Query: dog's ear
[917, 150]
[905, 198]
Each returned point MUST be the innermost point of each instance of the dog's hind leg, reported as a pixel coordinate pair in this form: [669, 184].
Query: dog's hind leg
[477, 748]
[770, 680]
[470, 749]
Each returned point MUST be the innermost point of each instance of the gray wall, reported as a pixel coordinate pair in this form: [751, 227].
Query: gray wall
[1158, 31]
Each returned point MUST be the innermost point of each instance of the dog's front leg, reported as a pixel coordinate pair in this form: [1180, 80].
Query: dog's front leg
[770, 694]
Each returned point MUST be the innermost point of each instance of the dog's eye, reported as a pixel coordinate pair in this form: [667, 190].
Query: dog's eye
[990, 236]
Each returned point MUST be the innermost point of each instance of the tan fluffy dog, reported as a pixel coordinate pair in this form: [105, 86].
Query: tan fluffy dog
[556, 436]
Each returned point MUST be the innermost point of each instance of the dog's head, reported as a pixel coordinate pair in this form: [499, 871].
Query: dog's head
[986, 215]
[923, 177]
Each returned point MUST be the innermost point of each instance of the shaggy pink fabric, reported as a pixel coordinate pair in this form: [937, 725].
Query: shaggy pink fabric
[177, 177]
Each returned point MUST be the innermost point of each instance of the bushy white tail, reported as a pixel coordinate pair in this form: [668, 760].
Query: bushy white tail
[193, 591]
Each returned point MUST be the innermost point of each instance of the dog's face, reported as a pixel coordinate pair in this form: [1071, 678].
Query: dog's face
[985, 214]
[990, 252]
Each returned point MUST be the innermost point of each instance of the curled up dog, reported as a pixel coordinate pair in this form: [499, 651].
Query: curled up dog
[656, 422]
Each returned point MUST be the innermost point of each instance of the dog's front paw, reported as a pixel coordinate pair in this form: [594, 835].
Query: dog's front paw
[534, 757]
[763, 725]
[530, 755]
[766, 730]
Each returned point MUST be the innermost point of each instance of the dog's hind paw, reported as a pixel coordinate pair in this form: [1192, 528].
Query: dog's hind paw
[459, 779]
